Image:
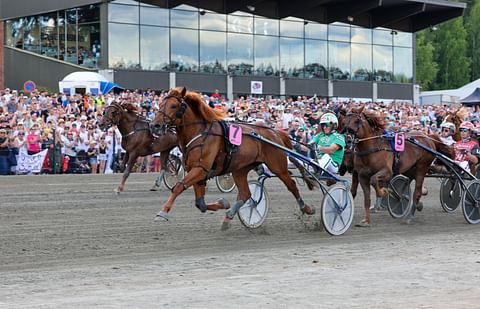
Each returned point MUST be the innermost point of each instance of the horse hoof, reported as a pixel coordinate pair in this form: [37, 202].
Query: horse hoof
[117, 191]
[424, 191]
[420, 206]
[162, 216]
[224, 203]
[309, 210]
[225, 225]
[383, 192]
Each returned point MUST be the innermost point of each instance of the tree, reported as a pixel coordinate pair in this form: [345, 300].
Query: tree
[426, 67]
[473, 38]
[451, 55]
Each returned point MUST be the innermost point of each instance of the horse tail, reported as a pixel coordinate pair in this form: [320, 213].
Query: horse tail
[311, 184]
[441, 147]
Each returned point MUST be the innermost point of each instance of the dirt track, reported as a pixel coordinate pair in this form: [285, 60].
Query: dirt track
[69, 242]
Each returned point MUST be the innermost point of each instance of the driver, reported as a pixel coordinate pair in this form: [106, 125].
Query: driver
[330, 145]
[466, 148]
[448, 129]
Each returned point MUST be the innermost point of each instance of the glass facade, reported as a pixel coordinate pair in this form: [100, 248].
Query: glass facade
[188, 39]
[71, 35]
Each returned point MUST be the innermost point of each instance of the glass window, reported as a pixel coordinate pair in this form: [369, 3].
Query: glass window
[382, 37]
[71, 16]
[89, 45]
[185, 7]
[339, 60]
[32, 34]
[361, 62]
[154, 48]
[266, 26]
[213, 21]
[158, 4]
[339, 33]
[361, 35]
[184, 43]
[89, 14]
[49, 35]
[315, 31]
[382, 63]
[291, 57]
[403, 39]
[316, 59]
[240, 53]
[240, 24]
[123, 13]
[71, 44]
[403, 64]
[291, 28]
[154, 16]
[123, 53]
[61, 35]
[130, 2]
[213, 52]
[15, 33]
[266, 55]
[184, 19]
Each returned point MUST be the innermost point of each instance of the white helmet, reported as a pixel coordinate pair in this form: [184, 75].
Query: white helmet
[448, 125]
[329, 118]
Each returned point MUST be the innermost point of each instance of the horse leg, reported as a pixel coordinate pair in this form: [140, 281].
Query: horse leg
[195, 175]
[244, 194]
[126, 172]
[200, 200]
[417, 194]
[125, 160]
[379, 179]
[354, 187]
[163, 162]
[365, 184]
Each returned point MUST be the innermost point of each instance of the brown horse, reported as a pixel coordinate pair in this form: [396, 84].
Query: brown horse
[373, 159]
[207, 153]
[456, 117]
[137, 139]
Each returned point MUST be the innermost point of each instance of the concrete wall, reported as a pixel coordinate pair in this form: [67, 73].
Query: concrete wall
[309, 87]
[395, 91]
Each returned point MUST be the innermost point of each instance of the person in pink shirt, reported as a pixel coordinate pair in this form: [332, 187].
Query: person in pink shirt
[34, 140]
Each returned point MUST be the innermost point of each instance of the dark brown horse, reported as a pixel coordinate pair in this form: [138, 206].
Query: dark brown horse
[206, 153]
[373, 158]
[137, 139]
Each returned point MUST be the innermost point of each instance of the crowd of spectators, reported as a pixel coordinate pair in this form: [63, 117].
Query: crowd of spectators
[67, 125]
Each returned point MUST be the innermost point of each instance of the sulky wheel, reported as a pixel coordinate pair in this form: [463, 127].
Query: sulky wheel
[253, 213]
[174, 172]
[337, 210]
[450, 194]
[399, 199]
[471, 202]
[225, 183]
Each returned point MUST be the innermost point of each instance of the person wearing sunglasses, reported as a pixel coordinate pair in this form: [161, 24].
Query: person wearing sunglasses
[446, 133]
[329, 143]
[466, 149]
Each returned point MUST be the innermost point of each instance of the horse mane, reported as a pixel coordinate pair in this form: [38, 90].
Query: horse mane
[129, 106]
[196, 102]
[376, 119]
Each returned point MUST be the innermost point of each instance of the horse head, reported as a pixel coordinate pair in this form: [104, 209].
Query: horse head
[111, 116]
[171, 111]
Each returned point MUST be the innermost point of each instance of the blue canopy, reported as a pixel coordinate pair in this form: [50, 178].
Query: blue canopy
[106, 87]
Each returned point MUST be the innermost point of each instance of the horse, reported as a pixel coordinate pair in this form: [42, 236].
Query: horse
[374, 160]
[137, 139]
[456, 117]
[203, 139]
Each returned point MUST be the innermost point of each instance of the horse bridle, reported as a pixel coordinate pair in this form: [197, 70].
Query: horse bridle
[169, 122]
[112, 121]
[350, 133]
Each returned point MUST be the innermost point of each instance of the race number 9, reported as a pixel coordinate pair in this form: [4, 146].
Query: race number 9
[399, 142]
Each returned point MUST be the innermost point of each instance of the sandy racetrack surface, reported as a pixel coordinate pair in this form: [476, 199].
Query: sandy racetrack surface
[70, 242]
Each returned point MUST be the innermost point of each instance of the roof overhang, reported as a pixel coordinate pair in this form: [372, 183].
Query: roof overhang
[402, 15]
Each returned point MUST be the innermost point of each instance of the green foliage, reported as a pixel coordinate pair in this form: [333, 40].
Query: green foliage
[427, 68]
[473, 38]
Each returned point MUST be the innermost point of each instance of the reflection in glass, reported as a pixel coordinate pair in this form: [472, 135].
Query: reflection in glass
[154, 48]
[61, 35]
[339, 60]
[213, 51]
[130, 2]
[338, 33]
[240, 53]
[89, 13]
[185, 7]
[361, 62]
[291, 57]
[154, 16]
[15, 33]
[316, 59]
[184, 19]
[89, 45]
[382, 63]
[71, 44]
[266, 26]
[123, 13]
[213, 21]
[49, 35]
[403, 64]
[291, 28]
[31, 34]
[382, 37]
[240, 24]
[361, 35]
[266, 55]
[121, 53]
[184, 45]
[315, 31]
[403, 39]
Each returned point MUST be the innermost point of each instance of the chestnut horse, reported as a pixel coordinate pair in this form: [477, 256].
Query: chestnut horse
[456, 117]
[207, 153]
[137, 139]
[373, 158]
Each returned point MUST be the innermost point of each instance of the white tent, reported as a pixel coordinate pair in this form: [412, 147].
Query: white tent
[448, 96]
[86, 82]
